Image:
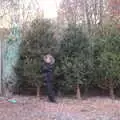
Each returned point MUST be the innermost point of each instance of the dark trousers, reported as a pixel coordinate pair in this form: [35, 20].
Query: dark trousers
[49, 85]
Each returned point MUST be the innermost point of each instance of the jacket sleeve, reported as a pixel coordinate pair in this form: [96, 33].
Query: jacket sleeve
[44, 68]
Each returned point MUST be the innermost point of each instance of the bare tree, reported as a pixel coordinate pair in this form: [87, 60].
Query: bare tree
[88, 12]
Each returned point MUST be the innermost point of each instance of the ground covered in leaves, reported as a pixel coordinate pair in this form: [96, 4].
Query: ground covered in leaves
[31, 108]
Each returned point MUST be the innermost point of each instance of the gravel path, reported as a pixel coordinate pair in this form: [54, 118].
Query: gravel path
[30, 108]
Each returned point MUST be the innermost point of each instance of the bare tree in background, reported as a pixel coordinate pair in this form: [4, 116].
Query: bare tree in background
[90, 13]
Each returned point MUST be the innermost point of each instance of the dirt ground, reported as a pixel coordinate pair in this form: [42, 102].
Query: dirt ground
[31, 108]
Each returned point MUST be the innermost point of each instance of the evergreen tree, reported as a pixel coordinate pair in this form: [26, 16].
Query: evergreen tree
[38, 42]
[107, 58]
[74, 59]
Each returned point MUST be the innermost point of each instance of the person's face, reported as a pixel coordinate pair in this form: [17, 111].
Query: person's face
[48, 60]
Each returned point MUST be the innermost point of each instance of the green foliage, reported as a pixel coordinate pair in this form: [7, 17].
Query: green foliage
[11, 55]
[38, 42]
[75, 58]
[107, 57]
[79, 61]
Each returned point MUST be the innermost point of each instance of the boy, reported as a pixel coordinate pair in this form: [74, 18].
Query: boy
[48, 71]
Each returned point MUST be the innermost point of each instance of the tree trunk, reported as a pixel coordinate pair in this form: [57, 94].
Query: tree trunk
[101, 12]
[38, 91]
[111, 90]
[59, 94]
[86, 91]
[78, 94]
[87, 15]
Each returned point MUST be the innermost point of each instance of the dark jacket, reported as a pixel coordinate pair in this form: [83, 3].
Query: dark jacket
[47, 69]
